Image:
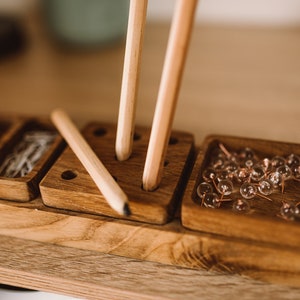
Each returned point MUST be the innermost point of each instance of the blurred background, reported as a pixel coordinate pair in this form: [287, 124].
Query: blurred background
[262, 12]
[242, 70]
[242, 75]
[256, 12]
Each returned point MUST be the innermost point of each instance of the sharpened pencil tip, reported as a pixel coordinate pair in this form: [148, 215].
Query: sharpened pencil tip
[126, 210]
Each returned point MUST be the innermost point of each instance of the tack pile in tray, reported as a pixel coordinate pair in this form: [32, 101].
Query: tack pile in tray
[232, 178]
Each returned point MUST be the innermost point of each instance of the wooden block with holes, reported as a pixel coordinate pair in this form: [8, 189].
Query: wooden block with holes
[263, 222]
[68, 185]
[13, 129]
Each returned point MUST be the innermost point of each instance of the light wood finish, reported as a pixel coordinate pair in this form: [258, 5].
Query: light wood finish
[169, 244]
[25, 188]
[78, 192]
[262, 221]
[245, 76]
[108, 186]
[130, 80]
[178, 43]
[90, 275]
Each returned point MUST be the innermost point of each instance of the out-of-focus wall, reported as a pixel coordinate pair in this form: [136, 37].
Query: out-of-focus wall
[16, 7]
[260, 12]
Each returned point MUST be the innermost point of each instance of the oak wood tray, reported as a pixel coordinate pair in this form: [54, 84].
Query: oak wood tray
[12, 130]
[262, 223]
[67, 185]
[169, 244]
[64, 230]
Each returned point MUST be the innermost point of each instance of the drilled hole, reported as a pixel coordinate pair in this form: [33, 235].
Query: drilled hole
[100, 132]
[136, 136]
[68, 175]
[166, 163]
[142, 188]
[173, 140]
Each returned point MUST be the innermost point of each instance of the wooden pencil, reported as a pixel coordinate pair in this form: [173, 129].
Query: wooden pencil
[179, 37]
[109, 188]
[130, 80]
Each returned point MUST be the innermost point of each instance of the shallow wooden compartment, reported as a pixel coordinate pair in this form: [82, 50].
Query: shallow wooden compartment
[261, 223]
[68, 186]
[168, 243]
[25, 188]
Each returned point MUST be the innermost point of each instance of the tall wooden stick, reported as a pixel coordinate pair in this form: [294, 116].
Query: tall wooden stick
[168, 92]
[111, 191]
[131, 70]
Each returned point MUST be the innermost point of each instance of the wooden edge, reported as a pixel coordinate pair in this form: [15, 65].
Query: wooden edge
[226, 223]
[26, 188]
[169, 244]
[81, 194]
[92, 275]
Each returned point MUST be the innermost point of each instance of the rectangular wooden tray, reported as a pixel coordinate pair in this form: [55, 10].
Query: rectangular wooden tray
[12, 129]
[67, 185]
[80, 228]
[262, 223]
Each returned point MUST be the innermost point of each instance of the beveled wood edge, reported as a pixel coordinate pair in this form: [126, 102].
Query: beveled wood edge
[93, 275]
[191, 212]
[170, 244]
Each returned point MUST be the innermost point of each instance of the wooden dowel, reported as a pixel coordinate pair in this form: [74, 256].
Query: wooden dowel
[168, 92]
[111, 191]
[130, 80]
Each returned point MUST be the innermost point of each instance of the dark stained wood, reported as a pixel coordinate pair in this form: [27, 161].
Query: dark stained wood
[60, 190]
[262, 223]
[233, 84]
[25, 188]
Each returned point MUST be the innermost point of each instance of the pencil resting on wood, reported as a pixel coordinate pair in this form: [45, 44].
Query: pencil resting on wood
[111, 191]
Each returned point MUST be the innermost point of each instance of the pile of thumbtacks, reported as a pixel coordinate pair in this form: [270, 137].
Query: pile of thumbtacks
[229, 171]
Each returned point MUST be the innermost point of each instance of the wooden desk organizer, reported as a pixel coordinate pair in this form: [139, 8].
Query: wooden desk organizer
[75, 215]
[12, 129]
[68, 185]
[262, 223]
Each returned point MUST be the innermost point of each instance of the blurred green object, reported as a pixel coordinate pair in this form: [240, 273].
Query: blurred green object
[86, 22]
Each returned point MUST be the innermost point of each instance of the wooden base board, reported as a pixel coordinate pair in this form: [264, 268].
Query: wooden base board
[169, 244]
[261, 223]
[68, 186]
[88, 274]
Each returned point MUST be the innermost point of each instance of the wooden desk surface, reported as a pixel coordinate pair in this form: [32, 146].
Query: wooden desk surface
[238, 81]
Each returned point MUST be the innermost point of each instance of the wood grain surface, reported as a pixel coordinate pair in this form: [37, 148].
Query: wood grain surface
[81, 194]
[89, 275]
[242, 81]
[262, 220]
[26, 188]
